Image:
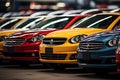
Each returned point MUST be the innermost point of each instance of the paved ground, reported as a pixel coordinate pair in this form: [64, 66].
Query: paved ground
[38, 72]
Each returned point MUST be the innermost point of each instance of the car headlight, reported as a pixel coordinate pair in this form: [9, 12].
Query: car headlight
[77, 38]
[37, 38]
[2, 38]
[41, 37]
[113, 42]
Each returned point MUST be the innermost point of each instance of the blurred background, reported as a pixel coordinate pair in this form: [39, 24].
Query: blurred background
[31, 6]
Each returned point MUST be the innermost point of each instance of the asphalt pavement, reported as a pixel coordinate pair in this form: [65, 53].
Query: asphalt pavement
[40, 72]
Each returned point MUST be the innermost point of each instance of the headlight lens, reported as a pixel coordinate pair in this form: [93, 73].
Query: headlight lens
[77, 38]
[113, 42]
[37, 38]
[41, 37]
[2, 38]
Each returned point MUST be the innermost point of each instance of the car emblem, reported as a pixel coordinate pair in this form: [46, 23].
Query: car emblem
[87, 46]
[51, 41]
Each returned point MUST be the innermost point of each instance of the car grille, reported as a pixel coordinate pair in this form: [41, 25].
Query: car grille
[54, 56]
[90, 45]
[54, 41]
[14, 41]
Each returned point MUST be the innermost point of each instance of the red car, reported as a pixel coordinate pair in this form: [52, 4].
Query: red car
[118, 58]
[23, 47]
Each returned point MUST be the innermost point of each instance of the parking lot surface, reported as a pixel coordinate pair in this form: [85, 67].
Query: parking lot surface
[40, 72]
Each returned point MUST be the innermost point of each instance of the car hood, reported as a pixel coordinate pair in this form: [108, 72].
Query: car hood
[31, 33]
[9, 32]
[73, 32]
[102, 36]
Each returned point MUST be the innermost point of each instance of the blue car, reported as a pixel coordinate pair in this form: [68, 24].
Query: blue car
[98, 50]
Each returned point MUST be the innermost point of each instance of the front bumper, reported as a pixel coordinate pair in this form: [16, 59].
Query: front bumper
[33, 59]
[101, 59]
[66, 58]
[58, 54]
[59, 61]
[22, 56]
[84, 65]
[22, 53]
[25, 48]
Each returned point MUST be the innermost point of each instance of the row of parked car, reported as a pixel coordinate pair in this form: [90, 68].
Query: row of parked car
[85, 40]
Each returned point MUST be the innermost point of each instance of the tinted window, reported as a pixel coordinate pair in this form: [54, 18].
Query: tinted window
[56, 22]
[25, 23]
[4, 21]
[11, 23]
[96, 21]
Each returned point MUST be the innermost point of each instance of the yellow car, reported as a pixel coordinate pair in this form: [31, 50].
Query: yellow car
[59, 48]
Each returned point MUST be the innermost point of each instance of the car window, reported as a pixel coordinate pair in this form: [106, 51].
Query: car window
[96, 21]
[24, 23]
[29, 23]
[10, 23]
[4, 21]
[56, 22]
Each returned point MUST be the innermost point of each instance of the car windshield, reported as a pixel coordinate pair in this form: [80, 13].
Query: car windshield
[10, 23]
[29, 23]
[4, 21]
[56, 22]
[96, 21]
[24, 23]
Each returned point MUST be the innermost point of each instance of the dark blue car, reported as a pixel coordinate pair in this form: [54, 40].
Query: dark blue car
[98, 50]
